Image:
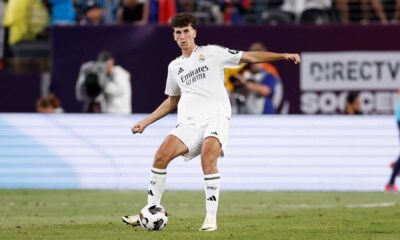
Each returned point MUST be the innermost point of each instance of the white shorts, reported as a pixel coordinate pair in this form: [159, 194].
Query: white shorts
[193, 135]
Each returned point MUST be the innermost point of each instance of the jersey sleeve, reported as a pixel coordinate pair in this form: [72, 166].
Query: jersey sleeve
[228, 58]
[171, 87]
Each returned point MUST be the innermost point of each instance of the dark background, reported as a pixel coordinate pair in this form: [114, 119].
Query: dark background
[145, 52]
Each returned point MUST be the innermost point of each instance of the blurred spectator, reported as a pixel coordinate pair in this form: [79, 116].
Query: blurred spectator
[307, 11]
[43, 105]
[55, 103]
[94, 15]
[353, 104]
[161, 11]
[253, 90]
[117, 90]
[186, 6]
[237, 92]
[166, 10]
[90, 86]
[109, 9]
[258, 46]
[133, 11]
[235, 87]
[154, 11]
[270, 68]
[391, 187]
[62, 12]
[104, 87]
[396, 16]
[25, 19]
[205, 11]
[343, 7]
[252, 87]
[260, 85]
[229, 74]
[235, 11]
[316, 11]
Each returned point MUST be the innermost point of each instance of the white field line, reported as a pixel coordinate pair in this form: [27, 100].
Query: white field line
[360, 205]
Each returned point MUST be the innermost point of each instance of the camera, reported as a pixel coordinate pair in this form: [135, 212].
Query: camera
[94, 80]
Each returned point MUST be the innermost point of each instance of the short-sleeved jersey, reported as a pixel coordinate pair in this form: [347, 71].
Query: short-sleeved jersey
[199, 80]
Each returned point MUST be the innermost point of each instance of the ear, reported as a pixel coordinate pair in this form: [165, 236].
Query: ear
[195, 33]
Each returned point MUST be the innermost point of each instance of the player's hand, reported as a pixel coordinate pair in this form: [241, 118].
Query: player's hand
[138, 128]
[293, 57]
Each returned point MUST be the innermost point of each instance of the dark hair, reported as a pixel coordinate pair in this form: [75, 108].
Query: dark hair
[183, 20]
[43, 102]
[53, 100]
[104, 56]
[351, 98]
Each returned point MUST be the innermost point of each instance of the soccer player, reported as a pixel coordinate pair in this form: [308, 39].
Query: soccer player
[391, 186]
[195, 85]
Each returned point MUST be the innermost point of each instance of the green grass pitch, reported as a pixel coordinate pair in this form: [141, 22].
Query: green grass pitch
[92, 214]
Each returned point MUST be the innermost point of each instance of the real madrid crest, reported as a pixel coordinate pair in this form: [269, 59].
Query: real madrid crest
[202, 58]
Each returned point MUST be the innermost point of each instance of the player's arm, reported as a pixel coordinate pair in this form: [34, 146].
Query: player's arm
[262, 57]
[165, 107]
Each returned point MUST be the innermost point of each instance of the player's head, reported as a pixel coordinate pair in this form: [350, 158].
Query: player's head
[184, 25]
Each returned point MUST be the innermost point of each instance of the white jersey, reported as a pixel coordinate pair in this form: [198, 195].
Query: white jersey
[199, 80]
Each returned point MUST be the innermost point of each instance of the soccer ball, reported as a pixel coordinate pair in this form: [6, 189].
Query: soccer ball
[153, 217]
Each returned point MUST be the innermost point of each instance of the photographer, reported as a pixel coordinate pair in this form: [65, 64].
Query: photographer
[90, 85]
[239, 92]
[253, 90]
[103, 86]
[260, 85]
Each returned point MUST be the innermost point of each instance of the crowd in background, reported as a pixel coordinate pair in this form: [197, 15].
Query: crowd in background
[26, 19]
[101, 12]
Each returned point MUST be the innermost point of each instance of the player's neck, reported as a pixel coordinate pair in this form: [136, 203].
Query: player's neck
[186, 52]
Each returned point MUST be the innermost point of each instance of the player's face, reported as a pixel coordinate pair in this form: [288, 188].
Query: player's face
[184, 36]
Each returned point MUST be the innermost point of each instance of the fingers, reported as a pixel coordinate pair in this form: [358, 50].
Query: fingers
[298, 60]
[294, 57]
[136, 129]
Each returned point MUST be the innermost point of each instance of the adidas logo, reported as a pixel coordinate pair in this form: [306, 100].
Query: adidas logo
[180, 70]
[212, 198]
[150, 193]
[214, 133]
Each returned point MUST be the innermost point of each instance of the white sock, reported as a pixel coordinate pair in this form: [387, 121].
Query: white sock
[211, 188]
[156, 187]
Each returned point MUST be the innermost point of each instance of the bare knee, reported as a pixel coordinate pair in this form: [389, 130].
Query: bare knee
[161, 160]
[209, 166]
[209, 155]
